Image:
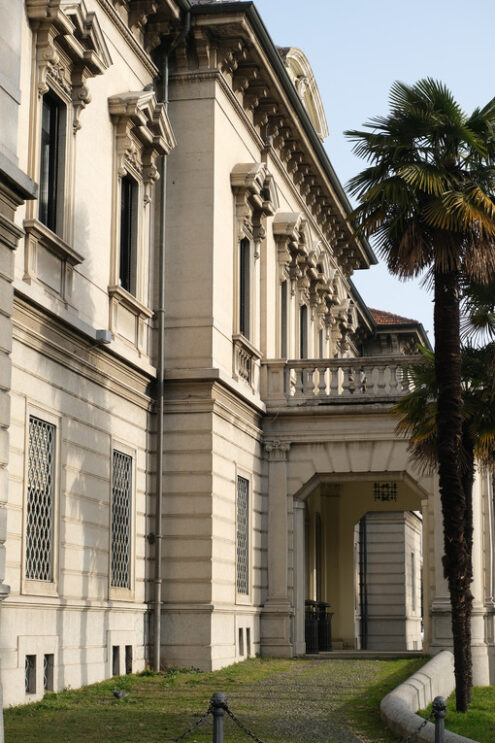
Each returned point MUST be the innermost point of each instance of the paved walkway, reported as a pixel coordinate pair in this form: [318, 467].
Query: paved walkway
[310, 702]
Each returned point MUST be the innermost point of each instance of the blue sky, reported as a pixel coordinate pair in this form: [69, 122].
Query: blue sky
[356, 51]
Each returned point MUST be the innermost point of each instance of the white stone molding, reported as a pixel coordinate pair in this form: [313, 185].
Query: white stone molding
[276, 450]
[255, 199]
[142, 132]
[301, 74]
[245, 358]
[44, 246]
[70, 49]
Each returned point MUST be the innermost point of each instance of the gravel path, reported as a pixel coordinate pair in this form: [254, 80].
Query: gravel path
[306, 704]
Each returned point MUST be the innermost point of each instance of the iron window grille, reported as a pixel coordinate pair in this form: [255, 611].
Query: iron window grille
[242, 535]
[39, 526]
[30, 674]
[48, 672]
[121, 520]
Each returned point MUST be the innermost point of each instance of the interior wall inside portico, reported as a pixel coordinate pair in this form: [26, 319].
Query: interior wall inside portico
[331, 576]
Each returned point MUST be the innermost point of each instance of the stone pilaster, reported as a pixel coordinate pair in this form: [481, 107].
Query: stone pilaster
[299, 578]
[276, 616]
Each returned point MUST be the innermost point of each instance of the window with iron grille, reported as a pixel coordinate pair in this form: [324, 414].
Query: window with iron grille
[121, 520]
[39, 522]
[48, 672]
[30, 674]
[242, 535]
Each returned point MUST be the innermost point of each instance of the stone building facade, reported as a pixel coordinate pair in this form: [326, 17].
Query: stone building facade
[199, 398]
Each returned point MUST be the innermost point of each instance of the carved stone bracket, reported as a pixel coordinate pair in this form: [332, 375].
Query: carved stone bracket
[255, 199]
[70, 48]
[143, 132]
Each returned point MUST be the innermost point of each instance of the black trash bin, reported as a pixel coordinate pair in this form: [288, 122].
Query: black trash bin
[324, 626]
[311, 627]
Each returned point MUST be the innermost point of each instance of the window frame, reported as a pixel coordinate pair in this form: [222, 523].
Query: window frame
[119, 592]
[129, 231]
[244, 598]
[303, 331]
[245, 283]
[52, 170]
[36, 586]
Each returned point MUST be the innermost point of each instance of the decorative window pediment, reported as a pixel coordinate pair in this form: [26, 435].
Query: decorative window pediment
[143, 132]
[255, 199]
[70, 48]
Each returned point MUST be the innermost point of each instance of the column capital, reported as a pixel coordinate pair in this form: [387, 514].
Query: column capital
[277, 450]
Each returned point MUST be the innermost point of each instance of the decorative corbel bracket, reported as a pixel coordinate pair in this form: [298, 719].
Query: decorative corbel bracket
[70, 49]
[255, 199]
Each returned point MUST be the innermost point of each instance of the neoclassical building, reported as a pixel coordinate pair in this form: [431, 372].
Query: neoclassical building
[195, 401]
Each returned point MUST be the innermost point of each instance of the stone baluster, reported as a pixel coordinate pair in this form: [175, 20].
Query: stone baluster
[322, 382]
[334, 381]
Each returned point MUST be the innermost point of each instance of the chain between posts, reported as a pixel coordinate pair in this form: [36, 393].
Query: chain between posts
[438, 710]
[218, 705]
[241, 725]
[194, 725]
[423, 724]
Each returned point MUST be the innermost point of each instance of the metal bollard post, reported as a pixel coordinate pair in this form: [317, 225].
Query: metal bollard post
[439, 709]
[218, 702]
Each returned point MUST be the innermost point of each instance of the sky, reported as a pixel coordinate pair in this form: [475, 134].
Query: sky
[357, 50]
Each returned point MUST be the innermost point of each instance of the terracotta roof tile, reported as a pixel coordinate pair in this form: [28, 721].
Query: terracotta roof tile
[389, 318]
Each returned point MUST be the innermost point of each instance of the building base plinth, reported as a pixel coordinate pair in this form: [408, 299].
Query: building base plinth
[276, 630]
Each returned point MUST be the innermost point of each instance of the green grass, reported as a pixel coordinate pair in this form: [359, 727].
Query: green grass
[479, 721]
[280, 700]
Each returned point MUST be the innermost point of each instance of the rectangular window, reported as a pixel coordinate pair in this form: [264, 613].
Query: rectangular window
[128, 659]
[48, 672]
[128, 234]
[40, 495]
[51, 174]
[242, 540]
[303, 332]
[115, 660]
[30, 674]
[283, 320]
[121, 520]
[244, 287]
[320, 344]
[241, 641]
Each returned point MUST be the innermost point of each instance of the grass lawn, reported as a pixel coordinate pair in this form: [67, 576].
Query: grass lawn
[479, 721]
[311, 701]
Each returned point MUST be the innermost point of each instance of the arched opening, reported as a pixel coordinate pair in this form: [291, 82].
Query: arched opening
[363, 562]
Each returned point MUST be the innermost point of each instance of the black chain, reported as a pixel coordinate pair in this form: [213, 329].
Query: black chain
[241, 725]
[423, 724]
[194, 726]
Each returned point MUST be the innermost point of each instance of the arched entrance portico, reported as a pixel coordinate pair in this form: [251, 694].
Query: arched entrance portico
[350, 554]
[349, 461]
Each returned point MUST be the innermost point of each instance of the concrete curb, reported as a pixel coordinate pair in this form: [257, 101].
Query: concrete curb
[435, 678]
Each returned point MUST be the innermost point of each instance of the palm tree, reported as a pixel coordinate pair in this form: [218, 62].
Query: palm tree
[479, 311]
[417, 412]
[427, 196]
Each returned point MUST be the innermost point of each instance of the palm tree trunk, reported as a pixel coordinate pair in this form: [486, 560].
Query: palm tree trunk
[468, 482]
[449, 443]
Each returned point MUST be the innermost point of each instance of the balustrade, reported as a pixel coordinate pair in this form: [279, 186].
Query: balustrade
[336, 381]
